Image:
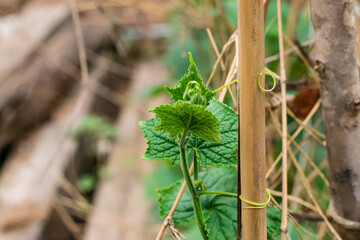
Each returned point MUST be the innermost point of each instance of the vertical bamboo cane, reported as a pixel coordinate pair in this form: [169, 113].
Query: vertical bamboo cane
[252, 116]
[284, 124]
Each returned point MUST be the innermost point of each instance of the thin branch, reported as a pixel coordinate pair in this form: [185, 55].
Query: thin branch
[303, 58]
[216, 50]
[297, 146]
[173, 208]
[295, 223]
[80, 42]
[312, 131]
[284, 125]
[288, 51]
[295, 199]
[230, 76]
[309, 217]
[309, 191]
[67, 219]
[297, 132]
[322, 231]
[226, 45]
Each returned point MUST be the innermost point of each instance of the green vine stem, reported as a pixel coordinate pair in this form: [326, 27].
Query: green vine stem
[220, 88]
[195, 197]
[219, 193]
[196, 168]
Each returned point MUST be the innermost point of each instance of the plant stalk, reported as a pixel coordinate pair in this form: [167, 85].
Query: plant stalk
[219, 193]
[195, 197]
[196, 167]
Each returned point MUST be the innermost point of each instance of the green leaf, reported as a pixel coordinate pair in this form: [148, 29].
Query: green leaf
[273, 222]
[177, 93]
[184, 212]
[160, 146]
[222, 221]
[222, 153]
[220, 211]
[181, 117]
[219, 179]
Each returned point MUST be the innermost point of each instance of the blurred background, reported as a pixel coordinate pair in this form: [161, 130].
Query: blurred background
[76, 77]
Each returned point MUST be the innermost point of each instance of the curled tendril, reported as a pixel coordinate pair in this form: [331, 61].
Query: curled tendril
[193, 94]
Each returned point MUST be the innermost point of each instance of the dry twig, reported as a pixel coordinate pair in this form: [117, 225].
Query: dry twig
[216, 50]
[168, 219]
[297, 132]
[284, 124]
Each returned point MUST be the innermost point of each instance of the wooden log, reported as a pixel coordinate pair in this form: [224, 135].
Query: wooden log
[10, 6]
[30, 178]
[120, 211]
[26, 184]
[39, 77]
[28, 32]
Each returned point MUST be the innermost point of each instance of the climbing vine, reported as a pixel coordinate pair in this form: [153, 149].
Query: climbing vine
[194, 126]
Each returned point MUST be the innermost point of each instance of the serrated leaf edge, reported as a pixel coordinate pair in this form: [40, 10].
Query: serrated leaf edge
[144, 157]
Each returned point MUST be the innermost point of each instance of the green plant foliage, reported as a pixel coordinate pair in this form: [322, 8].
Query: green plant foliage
[86, 183]
[97, 126]
[222, 153]
[181, 117]
[179, 92]
[216, 154]
[221, 211]
[215, 179]
[184, 211]
[150, 92]
[161, 147]
[194, 123]
[162, 176]
[221, 223]
[273, 222]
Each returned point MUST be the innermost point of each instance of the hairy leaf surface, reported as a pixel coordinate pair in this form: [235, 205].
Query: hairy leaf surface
[222, 221]
[222, 153]
[184, 210]
[220, 211]
[181, 117]
[160, 146]
[219, 179]
[177, 93]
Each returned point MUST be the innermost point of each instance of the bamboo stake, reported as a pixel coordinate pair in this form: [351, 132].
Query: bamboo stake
[284, 125]
[252, 116]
